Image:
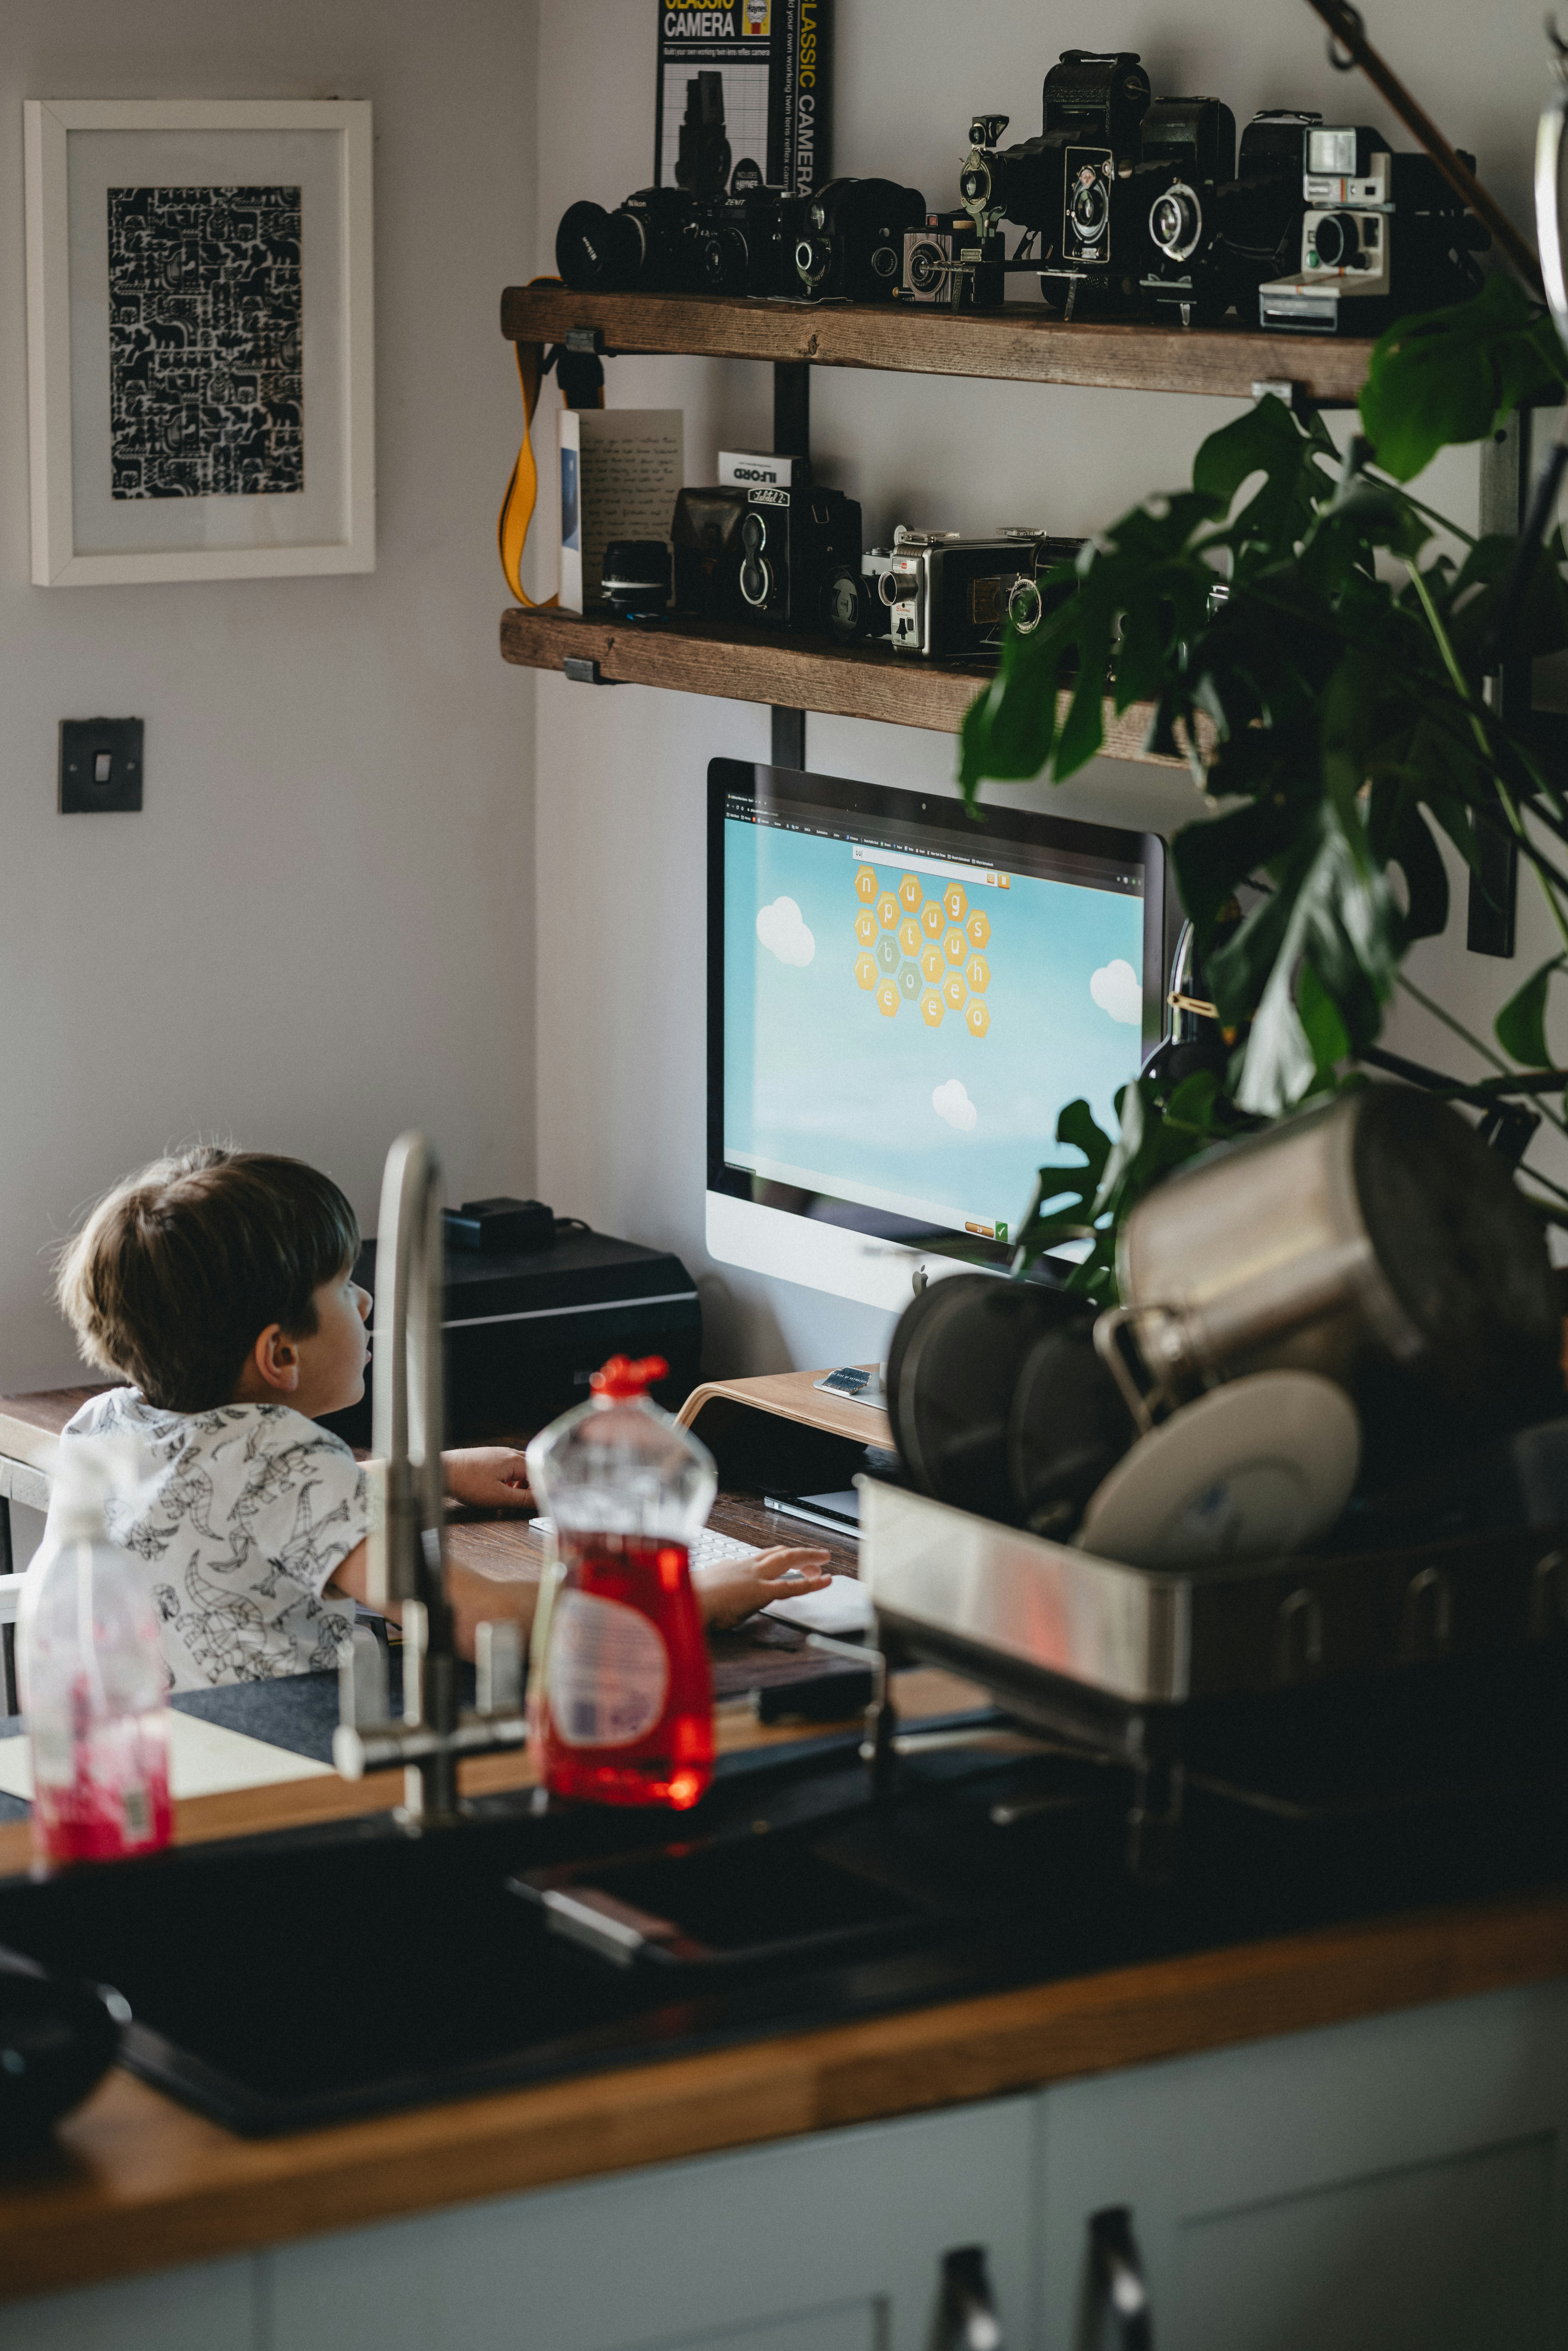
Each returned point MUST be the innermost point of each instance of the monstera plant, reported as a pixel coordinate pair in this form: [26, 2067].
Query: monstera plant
[1330, 704]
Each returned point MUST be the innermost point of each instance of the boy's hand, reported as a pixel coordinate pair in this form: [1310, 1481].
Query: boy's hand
[733, 1589]
[487, 1478]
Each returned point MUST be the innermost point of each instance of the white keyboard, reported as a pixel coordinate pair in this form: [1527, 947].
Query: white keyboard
[707, 1550]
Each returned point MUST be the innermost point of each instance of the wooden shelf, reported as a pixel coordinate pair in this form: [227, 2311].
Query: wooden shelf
[865, 681]
[1019, 343]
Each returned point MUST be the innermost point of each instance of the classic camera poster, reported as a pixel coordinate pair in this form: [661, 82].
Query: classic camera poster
[774, 57]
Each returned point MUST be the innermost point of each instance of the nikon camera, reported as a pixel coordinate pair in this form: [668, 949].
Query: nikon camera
[1382, 235]
[780, 558]
[1215, 239]
[658, 238]
[951, 598]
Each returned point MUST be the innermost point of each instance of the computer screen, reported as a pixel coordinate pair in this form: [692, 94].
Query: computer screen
[902, 1000]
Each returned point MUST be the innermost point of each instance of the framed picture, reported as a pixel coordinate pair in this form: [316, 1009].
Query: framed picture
[199, 338]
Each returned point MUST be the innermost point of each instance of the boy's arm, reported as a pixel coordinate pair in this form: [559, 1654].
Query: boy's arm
[476, 1596]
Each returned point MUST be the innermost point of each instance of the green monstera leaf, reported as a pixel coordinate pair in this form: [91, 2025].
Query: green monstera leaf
[1456, 375]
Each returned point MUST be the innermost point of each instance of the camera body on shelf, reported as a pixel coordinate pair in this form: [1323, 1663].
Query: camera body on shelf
[952, 265]
[746, 242]
[1382, 234]
[850, 244]
[951, 597]
[1094, 105]
[781, 558]
[648, 244]
[1214, 243]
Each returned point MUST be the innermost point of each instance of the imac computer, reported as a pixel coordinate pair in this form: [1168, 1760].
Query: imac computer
[901, 1003]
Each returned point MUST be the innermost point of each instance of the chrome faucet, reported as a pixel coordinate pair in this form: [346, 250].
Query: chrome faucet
[407, 1546]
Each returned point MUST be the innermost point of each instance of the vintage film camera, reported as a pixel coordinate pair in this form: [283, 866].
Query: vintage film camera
[784, 559]
[851, 241]
[654, 240]
[747, 245]
[951, 598]
[953, 265]
[1215, 244]
[1094, 108]
[1382, 235]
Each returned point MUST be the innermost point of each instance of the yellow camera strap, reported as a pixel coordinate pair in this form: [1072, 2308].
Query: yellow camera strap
[582, 386]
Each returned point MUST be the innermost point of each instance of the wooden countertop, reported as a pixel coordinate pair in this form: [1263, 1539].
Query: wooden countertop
[139, 2183]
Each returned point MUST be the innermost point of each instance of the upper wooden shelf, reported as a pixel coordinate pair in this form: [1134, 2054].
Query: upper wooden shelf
[797, 673]
[1019, 343]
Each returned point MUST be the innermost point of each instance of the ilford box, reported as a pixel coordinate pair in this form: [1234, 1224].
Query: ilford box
[774, 57]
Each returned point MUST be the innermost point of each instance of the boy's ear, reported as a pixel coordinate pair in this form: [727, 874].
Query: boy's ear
[275, 1358]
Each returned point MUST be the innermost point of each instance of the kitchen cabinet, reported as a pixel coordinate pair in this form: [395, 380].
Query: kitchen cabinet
[826, 2243]
[1397, 2184]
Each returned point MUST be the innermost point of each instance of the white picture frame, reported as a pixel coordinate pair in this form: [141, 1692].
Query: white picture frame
[87, 530]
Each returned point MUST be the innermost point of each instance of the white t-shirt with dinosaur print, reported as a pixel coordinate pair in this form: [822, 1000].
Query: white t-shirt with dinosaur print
[244, 1513]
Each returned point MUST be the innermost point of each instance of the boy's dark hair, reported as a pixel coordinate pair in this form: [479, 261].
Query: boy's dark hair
[179, 1271]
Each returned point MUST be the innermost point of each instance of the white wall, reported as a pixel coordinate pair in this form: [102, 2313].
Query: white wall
[320, 929]
[620, 774]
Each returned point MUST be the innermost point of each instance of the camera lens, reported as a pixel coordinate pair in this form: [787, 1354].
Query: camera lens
[895, 588]
[725, 261]
[811, 260]
[1176, 223]
[925, 268]
[885, 261]
[1338, 239]
[974, 182]
[845, 593]
[756, 580]
[1025, 606]
[753, 533]
[597, 251]
[1090, 209]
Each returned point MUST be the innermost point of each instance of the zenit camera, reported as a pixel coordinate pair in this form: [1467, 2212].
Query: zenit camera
[951, 598]
[653, 239]
[784, 559]
[747, 245]
[1382, 235]
[953, 265]
[851, 241]
[1217, 239]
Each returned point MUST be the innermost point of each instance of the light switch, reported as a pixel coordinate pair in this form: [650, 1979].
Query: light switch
[100, 766]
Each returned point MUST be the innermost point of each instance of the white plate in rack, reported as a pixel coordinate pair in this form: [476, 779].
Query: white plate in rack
[1264, 1464]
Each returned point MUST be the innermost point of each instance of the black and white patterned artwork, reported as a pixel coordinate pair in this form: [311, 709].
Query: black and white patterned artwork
[205, 334]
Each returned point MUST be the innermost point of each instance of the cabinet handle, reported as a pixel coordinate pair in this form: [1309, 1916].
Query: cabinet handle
[969, 2321]
[1116, 2281]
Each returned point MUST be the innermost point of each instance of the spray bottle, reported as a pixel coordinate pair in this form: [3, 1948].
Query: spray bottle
[94, 1685]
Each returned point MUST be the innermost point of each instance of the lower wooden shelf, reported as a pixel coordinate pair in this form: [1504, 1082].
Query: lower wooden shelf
[795, 673]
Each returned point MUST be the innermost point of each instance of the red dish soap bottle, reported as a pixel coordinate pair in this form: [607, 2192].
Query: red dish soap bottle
[626, 1695]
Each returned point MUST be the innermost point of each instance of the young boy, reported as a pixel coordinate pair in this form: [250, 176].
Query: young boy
[220, 1285]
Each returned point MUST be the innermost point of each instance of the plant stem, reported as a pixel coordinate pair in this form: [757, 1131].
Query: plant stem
[1458, 1027]
[1444, 521]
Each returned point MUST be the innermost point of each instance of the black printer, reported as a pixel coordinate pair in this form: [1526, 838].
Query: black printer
[526, 1327]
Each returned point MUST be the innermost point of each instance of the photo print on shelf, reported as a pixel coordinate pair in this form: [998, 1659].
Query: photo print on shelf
[205, 336]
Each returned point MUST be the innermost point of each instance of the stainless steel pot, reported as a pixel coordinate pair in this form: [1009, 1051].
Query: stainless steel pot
[1379, 1230]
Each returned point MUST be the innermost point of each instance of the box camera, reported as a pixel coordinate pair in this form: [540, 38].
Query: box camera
[951, 598]
[851, 241]
[1382, 235]
[1215, 243]
[952, 265]
[784, 559]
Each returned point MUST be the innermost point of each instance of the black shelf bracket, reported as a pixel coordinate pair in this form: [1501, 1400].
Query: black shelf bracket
[1505, 485]
[792, 438]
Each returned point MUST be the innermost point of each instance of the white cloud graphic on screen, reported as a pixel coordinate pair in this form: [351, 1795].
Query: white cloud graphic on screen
[951, 1102]
[783, 930]
[1115, 988]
